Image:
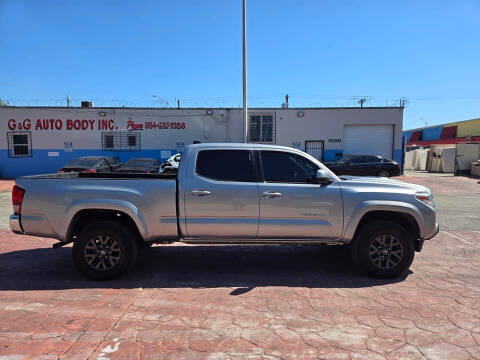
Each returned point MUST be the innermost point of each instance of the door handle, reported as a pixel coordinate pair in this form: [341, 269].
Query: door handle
[271, 194]
[200, 192]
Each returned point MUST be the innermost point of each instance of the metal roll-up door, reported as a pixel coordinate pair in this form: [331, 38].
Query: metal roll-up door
[368, 139]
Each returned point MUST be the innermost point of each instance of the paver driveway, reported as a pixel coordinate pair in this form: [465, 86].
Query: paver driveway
[234, 302]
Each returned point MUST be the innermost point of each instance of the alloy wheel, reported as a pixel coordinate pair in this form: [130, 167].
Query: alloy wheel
[385, 251]
[102, 252]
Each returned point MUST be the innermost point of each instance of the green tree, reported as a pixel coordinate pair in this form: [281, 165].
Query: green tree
[3, 103]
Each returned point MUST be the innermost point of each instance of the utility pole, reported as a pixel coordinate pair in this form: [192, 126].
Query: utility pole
[178, 103]
[245, 106]
[286, 101]
[68, 102]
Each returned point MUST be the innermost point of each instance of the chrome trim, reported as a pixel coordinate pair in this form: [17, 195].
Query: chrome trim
[15, 224]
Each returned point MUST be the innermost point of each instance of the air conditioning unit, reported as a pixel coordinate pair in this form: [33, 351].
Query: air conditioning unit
[87, 104]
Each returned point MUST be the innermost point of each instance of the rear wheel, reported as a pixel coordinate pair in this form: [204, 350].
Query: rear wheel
[383, 249]
[104, 250]
[384, 173]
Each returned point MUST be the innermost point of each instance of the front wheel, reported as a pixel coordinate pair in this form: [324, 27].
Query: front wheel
[384, 173]
[104, 250]
[383, 249]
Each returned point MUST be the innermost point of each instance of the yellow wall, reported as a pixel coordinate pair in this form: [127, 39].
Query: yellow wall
[471, 127]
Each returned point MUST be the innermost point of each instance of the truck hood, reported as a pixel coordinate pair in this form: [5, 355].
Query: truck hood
[386, 183]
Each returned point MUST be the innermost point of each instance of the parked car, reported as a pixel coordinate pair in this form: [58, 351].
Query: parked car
[170, 166]
[364, 165]
[261, 194]
[140, 165]
[91, 164]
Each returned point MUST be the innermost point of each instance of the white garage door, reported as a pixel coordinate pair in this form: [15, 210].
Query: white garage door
[368, 139]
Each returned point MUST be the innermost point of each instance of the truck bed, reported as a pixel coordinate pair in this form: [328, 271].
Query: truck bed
[51, 201]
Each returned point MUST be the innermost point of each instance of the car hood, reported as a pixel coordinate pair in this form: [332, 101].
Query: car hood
[381, 183]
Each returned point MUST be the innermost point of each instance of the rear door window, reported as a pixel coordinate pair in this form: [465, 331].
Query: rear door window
[358, 160]
[226, 165]
[373, 159]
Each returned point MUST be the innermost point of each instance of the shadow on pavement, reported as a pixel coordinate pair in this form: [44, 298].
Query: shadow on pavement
[243, 267]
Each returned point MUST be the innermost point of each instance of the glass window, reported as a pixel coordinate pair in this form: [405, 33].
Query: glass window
[19, 144]
[373, 159]
[358, 160]
[109, 141]
[261, 129]
[287, 167]
[226, 165]
[132, 140]
[121, 141]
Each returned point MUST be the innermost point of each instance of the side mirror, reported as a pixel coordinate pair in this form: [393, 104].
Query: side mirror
[323, 177]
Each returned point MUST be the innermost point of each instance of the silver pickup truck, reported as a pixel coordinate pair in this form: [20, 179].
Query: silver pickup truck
[226, 194]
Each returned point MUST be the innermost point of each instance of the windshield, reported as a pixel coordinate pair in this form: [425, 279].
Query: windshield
[82, 162]
[138, 163]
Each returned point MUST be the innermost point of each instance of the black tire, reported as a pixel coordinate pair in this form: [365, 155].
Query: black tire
[144, 245]
[121, 246]
[370, 249]
[384, 173]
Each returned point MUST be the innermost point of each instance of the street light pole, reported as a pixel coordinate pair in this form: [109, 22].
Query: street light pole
[245, 107]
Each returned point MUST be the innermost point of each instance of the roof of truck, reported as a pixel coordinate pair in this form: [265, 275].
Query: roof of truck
[237, 145]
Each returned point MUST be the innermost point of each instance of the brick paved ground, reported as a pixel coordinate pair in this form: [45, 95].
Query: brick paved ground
[242, 302]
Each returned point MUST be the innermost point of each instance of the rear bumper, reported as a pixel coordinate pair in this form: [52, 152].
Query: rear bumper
[15, 225]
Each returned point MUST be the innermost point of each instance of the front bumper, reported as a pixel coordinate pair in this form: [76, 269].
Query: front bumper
[15, 225]
[429, 236]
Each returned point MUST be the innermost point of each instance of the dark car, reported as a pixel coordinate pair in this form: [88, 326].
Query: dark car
[140, 165]
[91, 164]
[364, 165]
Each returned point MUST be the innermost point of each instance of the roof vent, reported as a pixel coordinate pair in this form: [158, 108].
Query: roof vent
[87, 104]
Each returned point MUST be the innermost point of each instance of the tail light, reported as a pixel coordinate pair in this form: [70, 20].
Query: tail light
[92, 171]
[17, 199]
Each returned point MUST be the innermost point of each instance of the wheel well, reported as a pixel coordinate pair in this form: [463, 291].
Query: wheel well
[85, 217]
[407, 221]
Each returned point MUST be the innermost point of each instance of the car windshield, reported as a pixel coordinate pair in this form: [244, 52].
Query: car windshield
[345, 158]
[138, 163]
[82, 162]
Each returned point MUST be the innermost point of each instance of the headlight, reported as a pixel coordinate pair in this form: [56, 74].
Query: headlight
[426, 199]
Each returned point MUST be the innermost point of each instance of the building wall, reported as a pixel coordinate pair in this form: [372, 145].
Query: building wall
[59, 135]
[471, 127]
[464, 128]
[325, 124]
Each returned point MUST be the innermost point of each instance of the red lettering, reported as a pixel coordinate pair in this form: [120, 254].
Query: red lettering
[58, 124]
[45, 124]
[69, 124]
[27, 124]
[12, 124]
[111, 124]
[38, 125]
[84, 124]
[77, 124]
[52, 122]
[92, 123]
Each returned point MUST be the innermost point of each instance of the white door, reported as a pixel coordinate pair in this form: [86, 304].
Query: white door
[368, 139]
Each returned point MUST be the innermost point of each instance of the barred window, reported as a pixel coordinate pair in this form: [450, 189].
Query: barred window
[121, 141]
[19, 144]
[261, 128]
